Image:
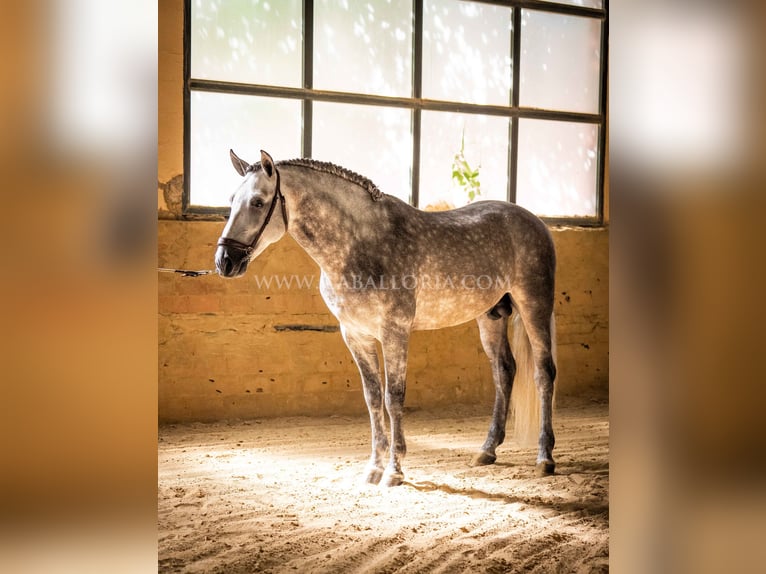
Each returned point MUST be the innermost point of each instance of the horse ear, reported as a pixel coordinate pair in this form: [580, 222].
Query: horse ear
[267, 163]
[239, 164]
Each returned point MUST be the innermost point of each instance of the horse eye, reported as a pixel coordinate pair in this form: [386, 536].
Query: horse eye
[257, 203]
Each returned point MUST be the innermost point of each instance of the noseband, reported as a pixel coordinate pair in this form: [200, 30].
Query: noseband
[248, 249]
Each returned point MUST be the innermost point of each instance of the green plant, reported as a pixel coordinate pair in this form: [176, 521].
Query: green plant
[464, 175]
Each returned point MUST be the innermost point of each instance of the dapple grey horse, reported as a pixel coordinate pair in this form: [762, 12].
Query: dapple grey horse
[388, 268]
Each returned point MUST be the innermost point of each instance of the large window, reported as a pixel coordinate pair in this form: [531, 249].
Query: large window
[440, 102]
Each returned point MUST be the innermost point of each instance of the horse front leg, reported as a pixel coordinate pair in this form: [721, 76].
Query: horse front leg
[395, 347]
[364, 351]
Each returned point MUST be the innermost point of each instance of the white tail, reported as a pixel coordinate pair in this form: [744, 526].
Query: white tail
[525, 402]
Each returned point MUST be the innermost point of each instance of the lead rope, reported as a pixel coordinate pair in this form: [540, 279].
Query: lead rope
[186, 272]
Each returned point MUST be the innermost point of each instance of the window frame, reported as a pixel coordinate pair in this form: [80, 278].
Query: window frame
[307, 94]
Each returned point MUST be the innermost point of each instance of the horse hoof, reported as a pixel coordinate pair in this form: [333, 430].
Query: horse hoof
[374, 476]
[545, 468]
[393, 479]
[483, 459]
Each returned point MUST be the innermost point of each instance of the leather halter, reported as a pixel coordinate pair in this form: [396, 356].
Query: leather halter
[248, 249]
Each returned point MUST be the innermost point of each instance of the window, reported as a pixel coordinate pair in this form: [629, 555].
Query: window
[406, 92]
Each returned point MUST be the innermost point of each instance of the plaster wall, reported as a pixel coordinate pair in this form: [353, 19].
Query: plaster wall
[245, 348]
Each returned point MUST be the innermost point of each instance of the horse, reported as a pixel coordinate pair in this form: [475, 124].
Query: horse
[388, 269]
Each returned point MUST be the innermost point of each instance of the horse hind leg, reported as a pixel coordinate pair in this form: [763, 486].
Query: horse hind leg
[493, 331]
[539, 325]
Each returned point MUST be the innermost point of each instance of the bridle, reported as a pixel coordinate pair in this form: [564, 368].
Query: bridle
[248, 249]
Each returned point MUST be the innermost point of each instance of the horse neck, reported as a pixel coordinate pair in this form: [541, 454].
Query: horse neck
[327, 213]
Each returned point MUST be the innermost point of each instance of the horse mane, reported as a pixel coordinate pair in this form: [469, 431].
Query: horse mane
[327, 167]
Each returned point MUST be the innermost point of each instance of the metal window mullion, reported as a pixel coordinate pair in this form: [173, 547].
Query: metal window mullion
[603, 102]
[186, 191]
[307, 123]
[513, 146]
[417, 95]
[547, 6]
[390, 101]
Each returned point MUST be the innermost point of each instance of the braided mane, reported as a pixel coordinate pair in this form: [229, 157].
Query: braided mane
[332, 169]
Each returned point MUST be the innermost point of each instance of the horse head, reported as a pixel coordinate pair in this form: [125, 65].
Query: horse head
[250, 228]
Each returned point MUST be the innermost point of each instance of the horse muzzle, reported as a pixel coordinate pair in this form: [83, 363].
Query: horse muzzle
[231, 261]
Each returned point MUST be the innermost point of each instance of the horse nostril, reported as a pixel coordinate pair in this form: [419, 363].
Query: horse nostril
[223, 262]
[228, 265]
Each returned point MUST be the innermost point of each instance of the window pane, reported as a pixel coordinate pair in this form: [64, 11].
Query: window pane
[363, 47]
[371, 140]
[560, 62]
[467, 52]
[584, 3]
[558, 164]
[247, 41]
[486, 148]
[246, 124]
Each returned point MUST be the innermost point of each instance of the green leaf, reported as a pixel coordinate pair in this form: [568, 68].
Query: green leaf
[463, 174]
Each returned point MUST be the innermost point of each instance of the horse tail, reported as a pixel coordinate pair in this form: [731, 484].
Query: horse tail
[525, 401]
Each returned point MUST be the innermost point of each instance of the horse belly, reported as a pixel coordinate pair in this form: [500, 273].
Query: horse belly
[444, 308]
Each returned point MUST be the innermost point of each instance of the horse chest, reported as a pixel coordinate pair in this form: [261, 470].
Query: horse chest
[367, 306]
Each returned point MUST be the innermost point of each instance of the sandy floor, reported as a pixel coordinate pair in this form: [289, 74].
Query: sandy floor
[285, 495]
